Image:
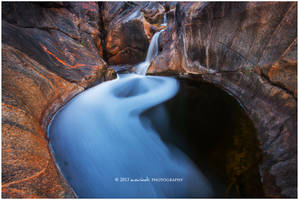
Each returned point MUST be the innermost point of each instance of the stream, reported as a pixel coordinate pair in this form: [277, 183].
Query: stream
[106, 147]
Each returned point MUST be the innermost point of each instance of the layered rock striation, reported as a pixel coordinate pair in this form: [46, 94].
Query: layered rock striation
[250, 50]
[53, 51]
[50, 52]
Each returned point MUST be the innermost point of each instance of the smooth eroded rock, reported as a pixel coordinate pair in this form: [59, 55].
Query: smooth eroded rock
[250, 50]
[129, 28]
[50, 52]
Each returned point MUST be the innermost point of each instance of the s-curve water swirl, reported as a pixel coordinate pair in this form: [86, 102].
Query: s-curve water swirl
[99, 138]
[105, 148]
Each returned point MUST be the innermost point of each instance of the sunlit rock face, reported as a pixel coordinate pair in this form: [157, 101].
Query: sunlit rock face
[250, 49]
[129, 26]
[50, 52]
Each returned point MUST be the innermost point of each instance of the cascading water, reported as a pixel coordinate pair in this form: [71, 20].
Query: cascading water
[105, 147]
[152, 52]
[164, 20]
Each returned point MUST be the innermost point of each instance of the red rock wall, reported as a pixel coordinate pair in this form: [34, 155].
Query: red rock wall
[250, 50]
[50, 52]
[129, 27]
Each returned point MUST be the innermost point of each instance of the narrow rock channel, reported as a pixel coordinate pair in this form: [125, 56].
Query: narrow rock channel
[215, 116]
[117, 149]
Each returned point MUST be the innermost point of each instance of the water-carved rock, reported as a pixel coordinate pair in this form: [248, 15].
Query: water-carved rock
[129, 29]
[50, 52]
[249, 49]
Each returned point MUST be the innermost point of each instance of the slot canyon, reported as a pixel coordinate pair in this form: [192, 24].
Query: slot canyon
[203, 94]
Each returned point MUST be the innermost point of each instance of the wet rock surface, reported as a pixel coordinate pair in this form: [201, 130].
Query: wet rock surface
[228, 154]
[250, 50]
[50, 52]
[129, 27]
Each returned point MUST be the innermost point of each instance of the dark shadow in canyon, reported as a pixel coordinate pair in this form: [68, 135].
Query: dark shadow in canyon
[211, 127]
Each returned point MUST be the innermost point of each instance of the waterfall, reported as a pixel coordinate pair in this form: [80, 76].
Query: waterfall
[106, 148]
[152, 52]
[164, 20]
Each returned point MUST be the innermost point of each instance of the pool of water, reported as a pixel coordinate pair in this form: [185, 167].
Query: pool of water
[105, 147]
[149, 136]
[218, 136]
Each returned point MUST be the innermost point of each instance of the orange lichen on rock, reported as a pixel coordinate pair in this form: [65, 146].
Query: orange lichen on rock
[42, 68]
[61, 61]
[284, 74]
[25, 155]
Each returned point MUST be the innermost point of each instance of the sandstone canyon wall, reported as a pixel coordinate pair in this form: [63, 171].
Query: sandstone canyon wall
[50, 52]
[250, 50]
[53, 51]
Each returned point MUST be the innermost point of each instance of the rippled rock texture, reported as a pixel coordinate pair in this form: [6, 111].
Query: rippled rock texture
[50, 52]
[249, 49]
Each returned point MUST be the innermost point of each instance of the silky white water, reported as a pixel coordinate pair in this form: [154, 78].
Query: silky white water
[152, 52]
[164, 20]
[104, 147]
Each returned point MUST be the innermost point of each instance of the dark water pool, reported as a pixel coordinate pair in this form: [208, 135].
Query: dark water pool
[216, 133]
[156, 137]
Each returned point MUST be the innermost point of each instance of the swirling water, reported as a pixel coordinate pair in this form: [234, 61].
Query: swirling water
[105, 147]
